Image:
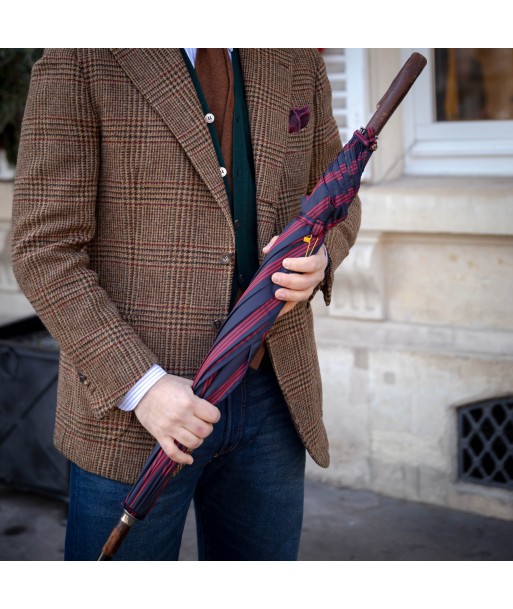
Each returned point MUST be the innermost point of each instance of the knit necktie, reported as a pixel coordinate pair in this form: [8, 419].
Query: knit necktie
[214, 71]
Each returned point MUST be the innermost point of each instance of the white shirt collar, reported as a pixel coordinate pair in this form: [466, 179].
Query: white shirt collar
[191, 54]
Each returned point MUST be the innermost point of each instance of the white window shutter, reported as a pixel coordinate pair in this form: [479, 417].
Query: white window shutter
[335, 60]
[348, 76]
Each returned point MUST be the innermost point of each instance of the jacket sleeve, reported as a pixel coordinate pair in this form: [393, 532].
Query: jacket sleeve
[326, 147]
[55, 196]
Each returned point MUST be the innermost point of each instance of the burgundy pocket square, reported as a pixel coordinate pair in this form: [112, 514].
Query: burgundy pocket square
[298, 118]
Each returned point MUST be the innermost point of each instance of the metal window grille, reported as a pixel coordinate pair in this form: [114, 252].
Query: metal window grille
[485, 450]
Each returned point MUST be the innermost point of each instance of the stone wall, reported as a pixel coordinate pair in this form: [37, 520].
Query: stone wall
[13, 304]
[421, 322]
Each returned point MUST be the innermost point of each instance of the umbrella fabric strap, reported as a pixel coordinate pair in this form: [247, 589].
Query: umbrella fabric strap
[317, 227]
[259, 356]
[367, 137]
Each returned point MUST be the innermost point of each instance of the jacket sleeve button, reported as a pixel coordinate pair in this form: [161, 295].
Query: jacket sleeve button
[218, 323]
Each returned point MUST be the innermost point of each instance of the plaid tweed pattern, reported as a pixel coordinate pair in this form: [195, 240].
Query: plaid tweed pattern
[122, 235]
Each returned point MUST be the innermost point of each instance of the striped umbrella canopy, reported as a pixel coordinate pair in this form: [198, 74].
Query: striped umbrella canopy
[256, 311]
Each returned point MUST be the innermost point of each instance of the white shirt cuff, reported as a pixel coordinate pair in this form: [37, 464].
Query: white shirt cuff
[143, 385]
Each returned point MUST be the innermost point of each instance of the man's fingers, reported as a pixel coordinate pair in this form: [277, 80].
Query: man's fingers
[188, 439]
[200, 428]
[293, 295]
[206, 411]
[308, 264]
[298, 286]
[267, 247]
[174, 453]
[170, 411]
[297, 282]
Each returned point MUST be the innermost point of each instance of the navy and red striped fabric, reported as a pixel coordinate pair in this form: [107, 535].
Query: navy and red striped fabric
[256, 311]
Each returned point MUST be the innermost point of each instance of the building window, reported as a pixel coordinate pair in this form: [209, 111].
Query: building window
[473, 84]
[459, 114]
[485, 449]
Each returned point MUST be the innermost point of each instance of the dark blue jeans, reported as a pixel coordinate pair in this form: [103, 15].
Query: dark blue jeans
[247, 483]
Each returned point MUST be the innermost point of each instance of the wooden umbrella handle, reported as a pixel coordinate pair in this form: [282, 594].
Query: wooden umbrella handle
[118, 534]
[396, 92]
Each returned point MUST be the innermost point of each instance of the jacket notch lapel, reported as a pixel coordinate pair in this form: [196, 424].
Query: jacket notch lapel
[162, 77]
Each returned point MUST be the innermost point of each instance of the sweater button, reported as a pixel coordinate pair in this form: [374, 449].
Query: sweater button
[236, 224]
[209, 117]
[223, 172]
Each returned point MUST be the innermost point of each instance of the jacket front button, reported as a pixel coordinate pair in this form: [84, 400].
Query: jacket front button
[218, 323]
[82, 377]
[226, 259]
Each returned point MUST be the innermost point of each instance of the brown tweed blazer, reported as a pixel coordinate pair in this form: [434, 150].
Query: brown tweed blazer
[123, 239]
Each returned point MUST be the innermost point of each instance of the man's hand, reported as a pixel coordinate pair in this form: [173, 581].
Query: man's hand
[170, 411]
[298, 287]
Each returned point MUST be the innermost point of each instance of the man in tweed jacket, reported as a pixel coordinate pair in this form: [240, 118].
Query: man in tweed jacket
[124, 243]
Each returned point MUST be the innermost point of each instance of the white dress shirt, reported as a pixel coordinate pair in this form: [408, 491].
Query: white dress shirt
[191, 54]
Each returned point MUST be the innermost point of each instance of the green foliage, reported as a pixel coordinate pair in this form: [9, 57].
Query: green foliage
[15, 69]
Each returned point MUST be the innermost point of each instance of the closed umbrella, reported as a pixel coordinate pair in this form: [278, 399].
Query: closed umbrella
[254, 314]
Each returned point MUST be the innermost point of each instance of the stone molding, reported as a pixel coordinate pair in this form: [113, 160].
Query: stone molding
[359, 288]
[8, 283]
[456, 205]
[13, 304]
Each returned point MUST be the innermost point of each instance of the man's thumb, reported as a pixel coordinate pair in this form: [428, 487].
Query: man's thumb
[270, 244]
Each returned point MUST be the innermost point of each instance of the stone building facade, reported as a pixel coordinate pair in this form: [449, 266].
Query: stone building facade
[421, 321]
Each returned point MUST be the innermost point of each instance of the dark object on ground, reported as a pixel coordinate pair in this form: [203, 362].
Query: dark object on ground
[29, 360]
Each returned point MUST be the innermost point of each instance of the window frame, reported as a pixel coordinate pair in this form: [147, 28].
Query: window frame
[452, 147]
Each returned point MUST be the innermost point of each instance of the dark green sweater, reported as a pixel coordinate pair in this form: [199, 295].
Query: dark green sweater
[243, 198]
